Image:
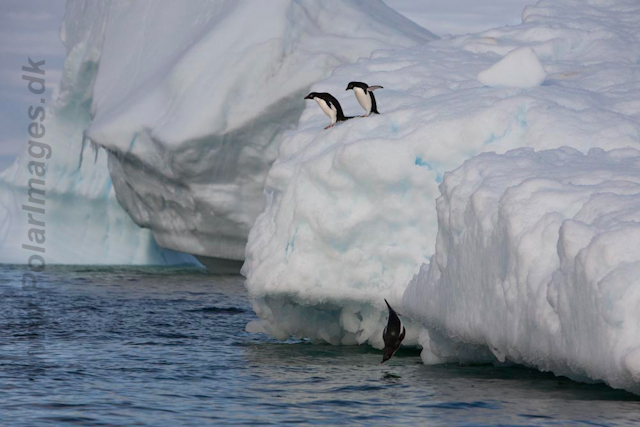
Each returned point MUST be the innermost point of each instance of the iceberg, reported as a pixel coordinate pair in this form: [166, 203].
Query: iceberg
[538, 262]
[191, 106]
[169, 116]
[350, 216]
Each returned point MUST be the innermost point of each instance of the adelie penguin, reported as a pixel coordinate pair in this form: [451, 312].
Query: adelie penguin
[391, 334]
[330, 106]
[365, 96]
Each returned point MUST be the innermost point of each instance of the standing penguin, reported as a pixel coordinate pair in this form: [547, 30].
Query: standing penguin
[330, 106]
[391, 334]
[365, 97]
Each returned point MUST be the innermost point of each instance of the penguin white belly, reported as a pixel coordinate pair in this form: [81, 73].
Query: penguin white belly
[329, 111]
[364, 99]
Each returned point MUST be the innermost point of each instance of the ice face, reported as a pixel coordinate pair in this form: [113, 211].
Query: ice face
[351, 212]
[538, 263]
[191, 105]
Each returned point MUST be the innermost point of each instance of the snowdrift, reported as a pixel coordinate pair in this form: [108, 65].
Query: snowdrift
[191, 99]
[538, 261]
[351, 212]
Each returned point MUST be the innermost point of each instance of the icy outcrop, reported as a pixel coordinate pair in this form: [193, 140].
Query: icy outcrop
[538, 261]
[191, 100]
[83, 222]
[519, 68]
[350, 215]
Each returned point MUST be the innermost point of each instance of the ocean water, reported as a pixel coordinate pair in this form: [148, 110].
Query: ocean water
[161, 346]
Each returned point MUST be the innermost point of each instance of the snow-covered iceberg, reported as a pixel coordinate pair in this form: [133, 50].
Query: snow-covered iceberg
[191, 99]
[350, 215]
[538, 262]
[183, 104]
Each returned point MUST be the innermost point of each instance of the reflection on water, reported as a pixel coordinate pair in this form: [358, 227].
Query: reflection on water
[126, 346]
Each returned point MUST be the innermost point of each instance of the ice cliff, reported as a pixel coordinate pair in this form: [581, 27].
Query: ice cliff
[351, 211]
[538, 262]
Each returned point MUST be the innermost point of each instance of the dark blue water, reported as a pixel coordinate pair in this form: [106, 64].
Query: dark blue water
[159, 346]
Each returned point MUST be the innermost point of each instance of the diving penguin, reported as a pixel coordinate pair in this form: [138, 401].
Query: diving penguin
[365, 96]
[330, 106]
[391, 334]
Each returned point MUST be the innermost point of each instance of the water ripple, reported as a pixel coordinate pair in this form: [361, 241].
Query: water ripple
[156, 346]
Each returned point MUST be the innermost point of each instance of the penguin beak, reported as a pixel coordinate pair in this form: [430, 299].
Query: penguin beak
[308, 97]
[347, 88]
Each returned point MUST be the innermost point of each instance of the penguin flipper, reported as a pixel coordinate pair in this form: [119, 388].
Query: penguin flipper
[402, 334]
[372, 88]
[374, 104]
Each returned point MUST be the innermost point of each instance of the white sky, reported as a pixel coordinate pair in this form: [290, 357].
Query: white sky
[31, 28]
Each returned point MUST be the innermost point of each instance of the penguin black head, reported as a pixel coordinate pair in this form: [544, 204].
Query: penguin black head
[351, 85]
[387, 352]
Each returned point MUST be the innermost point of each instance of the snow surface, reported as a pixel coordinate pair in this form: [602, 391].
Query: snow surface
[191, 105]
[84, 223]
[350, 216]
[538, 261]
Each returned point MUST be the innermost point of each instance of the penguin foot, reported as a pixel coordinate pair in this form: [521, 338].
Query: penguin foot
[330, 126]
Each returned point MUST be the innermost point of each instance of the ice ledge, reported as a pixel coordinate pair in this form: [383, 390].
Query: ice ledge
[538, 262]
